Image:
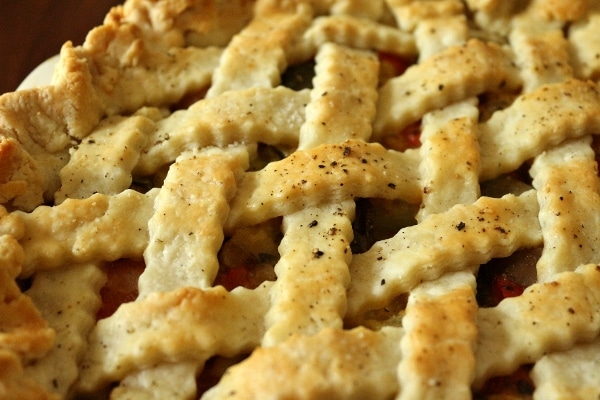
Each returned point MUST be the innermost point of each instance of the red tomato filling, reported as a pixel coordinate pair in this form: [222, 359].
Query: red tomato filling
[239, 267]
[506, 277]
[121, 285]
[503, 287]
[408, 138]
[391, 65]
[515, 386]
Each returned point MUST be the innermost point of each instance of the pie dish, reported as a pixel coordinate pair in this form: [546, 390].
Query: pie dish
[307, 199]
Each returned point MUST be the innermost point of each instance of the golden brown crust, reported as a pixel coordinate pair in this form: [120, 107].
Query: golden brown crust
[14, 385]
[568, 215]
[455, 73]
[438, 348]
[83, 230]
[120, 148]
[145, 333]
[388, 173]
[185, 231]
[485, 229]
[365, 372]
[24, 335]
[22, 330]
[550, 316]
[19, 175]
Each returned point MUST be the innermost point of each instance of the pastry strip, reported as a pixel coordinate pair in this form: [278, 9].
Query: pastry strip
[409, 14]
[79, 231]
[436, 25]
[182, 249]
[547, 317]
[569, 208]
[360, 34]
[103, 161]
[437, 34]
[325, 174]
[271, 116]
[68, 298]
[542, 57]
[569, 374]
[365, 372]
[457, 73]
[342, 104]
[372, 10]
[143, 333]
[585, 47]
[449, 137]
[24, 334]
[165, 381]
[315, 250]
[438, 359]
[485, 229]
[23, 330]
[523, 130]
[312, 274]
[186, 227]
[257, 56]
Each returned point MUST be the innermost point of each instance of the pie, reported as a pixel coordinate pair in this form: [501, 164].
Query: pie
[307, 199]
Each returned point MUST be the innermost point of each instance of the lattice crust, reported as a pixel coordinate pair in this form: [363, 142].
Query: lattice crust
[117, 70]
[68, 299]
[566, 211]
[546, 317]
[272, 116]
[453, 74]
[143, 333]
[365, 372]
[559, 375]
[15, 385]
[585, 48]
[449, 136]
[24, 334]
[186, 227]
[485, 229]
[535, 121]
[80, 231]
[438, 359]
[350, 169]
[196, 135]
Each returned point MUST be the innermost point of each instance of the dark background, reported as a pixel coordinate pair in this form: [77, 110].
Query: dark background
[33, 30]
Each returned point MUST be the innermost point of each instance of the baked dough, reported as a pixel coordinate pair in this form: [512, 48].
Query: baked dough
[298, 238]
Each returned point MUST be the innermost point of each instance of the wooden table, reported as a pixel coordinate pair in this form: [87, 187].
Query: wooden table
[33, 30]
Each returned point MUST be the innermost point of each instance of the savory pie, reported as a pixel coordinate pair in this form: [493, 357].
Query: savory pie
[307, 199]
